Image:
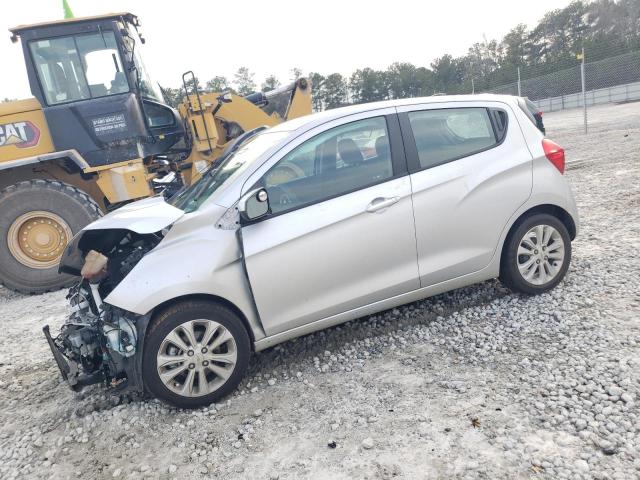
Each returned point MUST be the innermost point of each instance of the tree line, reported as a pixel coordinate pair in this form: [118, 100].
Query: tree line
[602, 27]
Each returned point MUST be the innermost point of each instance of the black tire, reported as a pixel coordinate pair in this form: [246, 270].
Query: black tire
[171, 318]
[74, 206]
[510, 274]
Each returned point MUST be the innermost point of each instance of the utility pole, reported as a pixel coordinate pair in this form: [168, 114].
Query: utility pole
[473, 87]
[519, 90]
[584, 91]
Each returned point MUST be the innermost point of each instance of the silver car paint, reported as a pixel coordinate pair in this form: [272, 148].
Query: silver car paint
[462, 206]
[549, 187]
[194, 258]
[197, 257]
[144, 216]
[331, 257]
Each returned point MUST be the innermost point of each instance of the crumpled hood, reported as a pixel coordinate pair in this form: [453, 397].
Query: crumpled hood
[144, 217]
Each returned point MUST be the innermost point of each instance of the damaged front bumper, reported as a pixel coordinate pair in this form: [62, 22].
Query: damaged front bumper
[99, 345]
[69, 371]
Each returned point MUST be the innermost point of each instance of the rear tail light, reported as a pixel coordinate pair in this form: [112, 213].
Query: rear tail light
[555, 153]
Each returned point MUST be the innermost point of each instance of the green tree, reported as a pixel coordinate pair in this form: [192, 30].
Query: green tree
[190, 84]
[335, 91]
[172, 96]
[558, 35]
[217, 84]
[514, 46]
[447, 74]
[405, 80]
[244, 81]
[317, 91]
[270, 83]
[368, 85]
[296, 73]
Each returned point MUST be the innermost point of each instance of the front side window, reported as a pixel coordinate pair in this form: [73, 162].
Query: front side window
[340, 160]
[448, 134]
[79, 67]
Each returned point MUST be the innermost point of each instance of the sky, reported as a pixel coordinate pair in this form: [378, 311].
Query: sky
[215, 38]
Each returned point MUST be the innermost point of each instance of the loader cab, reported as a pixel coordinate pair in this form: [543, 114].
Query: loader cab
[96, 93]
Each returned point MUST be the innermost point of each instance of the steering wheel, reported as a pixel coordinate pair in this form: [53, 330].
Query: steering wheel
[284, 173]
[279, 193]
[281, 197]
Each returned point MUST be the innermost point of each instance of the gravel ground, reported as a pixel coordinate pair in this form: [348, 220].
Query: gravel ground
[475, 383]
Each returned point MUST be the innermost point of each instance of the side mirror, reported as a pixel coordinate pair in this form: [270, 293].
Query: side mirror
[254, 204]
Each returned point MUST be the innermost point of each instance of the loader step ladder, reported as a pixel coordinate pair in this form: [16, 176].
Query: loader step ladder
[196, 93]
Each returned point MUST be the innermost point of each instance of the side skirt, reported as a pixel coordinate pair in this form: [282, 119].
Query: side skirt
[491, 271]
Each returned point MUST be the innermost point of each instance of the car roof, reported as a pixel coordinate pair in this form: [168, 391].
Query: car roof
[309, 121]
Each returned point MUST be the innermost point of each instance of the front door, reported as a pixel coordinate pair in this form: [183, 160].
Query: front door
[340, 234]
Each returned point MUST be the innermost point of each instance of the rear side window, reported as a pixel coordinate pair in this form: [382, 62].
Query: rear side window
[449, 134]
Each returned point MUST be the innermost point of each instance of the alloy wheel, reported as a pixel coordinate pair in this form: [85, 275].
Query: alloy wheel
[540, 255]
[196, 358]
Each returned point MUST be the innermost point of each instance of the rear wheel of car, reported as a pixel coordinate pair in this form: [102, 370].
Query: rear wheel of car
[196, 352]
[536, 255]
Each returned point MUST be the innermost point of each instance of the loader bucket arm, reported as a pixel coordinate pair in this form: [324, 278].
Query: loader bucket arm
[214, 119]
[299, 101]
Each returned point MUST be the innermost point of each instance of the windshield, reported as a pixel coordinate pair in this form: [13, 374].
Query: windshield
[148, 88]
[225, 170]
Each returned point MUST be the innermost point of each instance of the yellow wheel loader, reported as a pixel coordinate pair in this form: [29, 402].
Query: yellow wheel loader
[98, 134]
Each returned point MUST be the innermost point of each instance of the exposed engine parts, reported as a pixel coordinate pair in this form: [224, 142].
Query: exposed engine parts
[99, 342]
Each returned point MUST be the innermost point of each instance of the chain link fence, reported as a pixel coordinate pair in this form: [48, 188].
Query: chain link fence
[612, 80]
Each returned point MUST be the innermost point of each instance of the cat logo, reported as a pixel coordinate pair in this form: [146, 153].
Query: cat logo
[21, 134]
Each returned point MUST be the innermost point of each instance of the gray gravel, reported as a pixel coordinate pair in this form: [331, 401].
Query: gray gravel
[475, 383]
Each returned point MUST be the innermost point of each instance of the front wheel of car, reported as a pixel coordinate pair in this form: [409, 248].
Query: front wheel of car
[536, 255]
[196, 352]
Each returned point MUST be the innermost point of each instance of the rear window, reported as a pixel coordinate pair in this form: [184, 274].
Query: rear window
[449, 134]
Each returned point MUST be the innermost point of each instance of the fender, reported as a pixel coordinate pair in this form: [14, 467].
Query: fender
[73, 155]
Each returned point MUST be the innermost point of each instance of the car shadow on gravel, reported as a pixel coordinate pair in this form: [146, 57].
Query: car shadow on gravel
[302, 350]
[305, 348]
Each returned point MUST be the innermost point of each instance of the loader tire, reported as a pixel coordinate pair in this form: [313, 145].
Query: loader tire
[37, 219]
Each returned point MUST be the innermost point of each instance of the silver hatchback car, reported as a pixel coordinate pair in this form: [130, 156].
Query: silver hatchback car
[315, 222]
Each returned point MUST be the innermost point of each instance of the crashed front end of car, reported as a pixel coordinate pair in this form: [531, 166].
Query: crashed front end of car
[101, 343]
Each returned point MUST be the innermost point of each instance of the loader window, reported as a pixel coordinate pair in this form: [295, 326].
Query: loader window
[79, 67]
[133, 47]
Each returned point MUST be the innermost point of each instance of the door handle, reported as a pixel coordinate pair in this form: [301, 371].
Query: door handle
[381, 203]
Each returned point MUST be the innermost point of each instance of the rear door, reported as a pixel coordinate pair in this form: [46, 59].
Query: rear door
[470, 171]
[340, 234]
